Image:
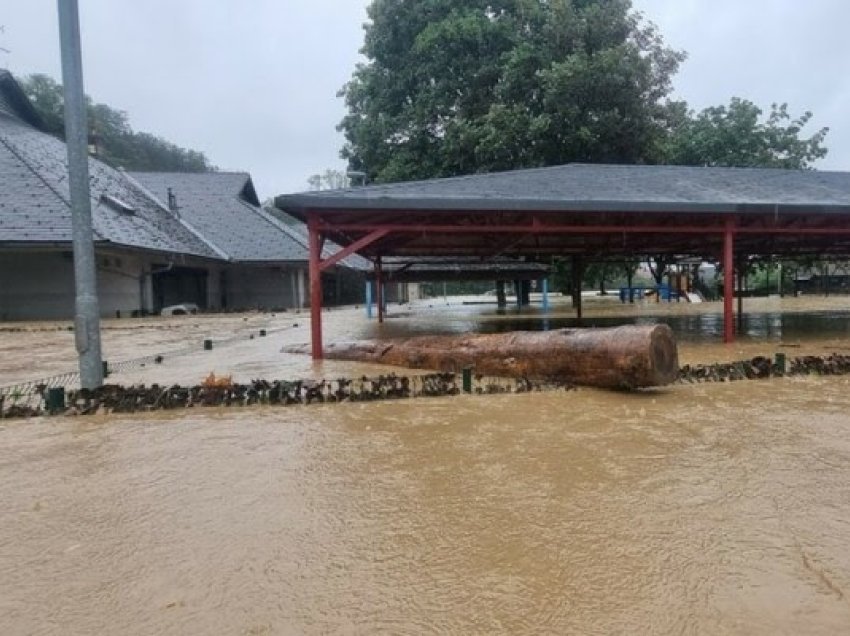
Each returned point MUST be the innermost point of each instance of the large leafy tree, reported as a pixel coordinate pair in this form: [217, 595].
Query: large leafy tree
[117, 143]
[458, 86]
[738, 135]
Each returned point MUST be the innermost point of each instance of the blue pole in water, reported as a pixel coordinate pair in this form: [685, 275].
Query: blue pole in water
[369, 299]
[546, 295]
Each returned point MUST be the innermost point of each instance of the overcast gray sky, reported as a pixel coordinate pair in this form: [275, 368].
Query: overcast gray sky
[252, 83]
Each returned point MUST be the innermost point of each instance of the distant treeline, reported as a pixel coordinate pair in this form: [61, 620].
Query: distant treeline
[116, 143]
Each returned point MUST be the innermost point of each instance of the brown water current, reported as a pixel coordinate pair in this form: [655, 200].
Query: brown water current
[696, 509]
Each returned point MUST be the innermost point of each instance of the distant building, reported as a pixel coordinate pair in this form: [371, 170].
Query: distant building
[160, 238]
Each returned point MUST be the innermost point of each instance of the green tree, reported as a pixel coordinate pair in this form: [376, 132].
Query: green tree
[117, 144]
[460, 86]
[738, 135]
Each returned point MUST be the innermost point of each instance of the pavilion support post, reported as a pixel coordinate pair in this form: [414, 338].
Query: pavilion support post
[369, 299]
[315, 245]
[545, 284]
[525, 290]
[728, 283]
[740, 316]
[578, 274]
[379, 288]
[501, 298]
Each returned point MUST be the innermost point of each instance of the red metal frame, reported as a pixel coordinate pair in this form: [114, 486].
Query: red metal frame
[315, 244]
[360, 234]
[316, 266]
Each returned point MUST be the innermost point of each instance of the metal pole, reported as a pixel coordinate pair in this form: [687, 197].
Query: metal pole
[87, 313]
[545, 294]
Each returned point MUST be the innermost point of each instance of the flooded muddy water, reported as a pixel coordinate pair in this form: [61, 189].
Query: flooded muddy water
[698, 509]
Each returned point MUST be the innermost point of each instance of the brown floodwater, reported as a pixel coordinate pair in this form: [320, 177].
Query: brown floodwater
[696, 509]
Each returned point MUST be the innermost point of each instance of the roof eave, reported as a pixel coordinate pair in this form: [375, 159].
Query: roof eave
[299, 205]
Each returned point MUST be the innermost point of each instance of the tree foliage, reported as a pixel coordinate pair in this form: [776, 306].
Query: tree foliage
[462, 86]
[117, 143]
[738, 135]
[455, 87]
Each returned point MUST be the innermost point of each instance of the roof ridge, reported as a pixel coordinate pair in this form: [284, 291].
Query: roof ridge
[145, 192]
[630, 166]
[187, 173]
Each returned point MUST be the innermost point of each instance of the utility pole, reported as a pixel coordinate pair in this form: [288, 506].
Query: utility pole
[87, 313]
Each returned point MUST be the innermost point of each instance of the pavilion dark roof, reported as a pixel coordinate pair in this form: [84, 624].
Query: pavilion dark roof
[585, 187]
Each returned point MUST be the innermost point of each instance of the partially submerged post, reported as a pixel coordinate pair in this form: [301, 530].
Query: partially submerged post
[379, 288]
[729, 282]
[87, 312]
[501, 297]
[578, 273]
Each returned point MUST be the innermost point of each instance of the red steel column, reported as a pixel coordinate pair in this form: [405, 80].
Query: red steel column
[379, 288]
[315, 243]
[728, 283]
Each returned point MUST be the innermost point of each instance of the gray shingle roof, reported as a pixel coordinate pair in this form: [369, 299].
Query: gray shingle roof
[222, 207]
[34, 201]
[582, 187]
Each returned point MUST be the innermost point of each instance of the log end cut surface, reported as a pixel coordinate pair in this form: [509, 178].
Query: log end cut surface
[664, 354]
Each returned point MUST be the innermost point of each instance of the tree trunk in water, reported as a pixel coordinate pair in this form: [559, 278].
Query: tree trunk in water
[623, 357]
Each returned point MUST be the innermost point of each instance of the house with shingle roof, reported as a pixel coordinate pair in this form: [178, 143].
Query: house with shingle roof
[160, 238]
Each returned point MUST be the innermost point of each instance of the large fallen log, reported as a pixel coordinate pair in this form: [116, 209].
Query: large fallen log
[622, 357]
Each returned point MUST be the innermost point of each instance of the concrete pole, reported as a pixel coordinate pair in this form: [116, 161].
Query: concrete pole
[87, 313]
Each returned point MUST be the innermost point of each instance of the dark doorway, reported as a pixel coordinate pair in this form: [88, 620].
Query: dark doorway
[179, 285]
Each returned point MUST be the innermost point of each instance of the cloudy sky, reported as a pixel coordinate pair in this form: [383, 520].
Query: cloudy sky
[252, 83]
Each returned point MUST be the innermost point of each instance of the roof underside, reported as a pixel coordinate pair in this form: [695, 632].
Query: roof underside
[600, 211]
[408, 270]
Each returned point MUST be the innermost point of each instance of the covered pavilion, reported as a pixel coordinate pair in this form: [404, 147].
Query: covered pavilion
[584, 212]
